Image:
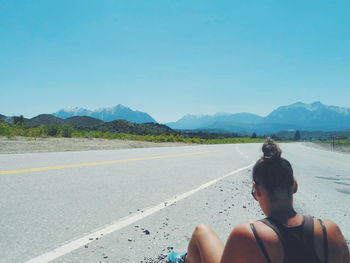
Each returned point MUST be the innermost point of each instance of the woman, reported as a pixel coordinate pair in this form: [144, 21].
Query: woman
[284, 236]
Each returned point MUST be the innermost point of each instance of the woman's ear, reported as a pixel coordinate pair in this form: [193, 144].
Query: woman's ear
[295, 187]
[258, 190]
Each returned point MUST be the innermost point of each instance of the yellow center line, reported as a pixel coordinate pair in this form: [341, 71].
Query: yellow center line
[57, 167]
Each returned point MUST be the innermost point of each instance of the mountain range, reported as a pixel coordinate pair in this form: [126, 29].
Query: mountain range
[118, 112]
[297, 116]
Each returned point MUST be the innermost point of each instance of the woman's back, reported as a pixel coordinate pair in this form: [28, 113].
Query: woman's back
[303, 241]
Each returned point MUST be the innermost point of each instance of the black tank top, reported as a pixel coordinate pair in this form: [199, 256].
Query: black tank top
[297, 241]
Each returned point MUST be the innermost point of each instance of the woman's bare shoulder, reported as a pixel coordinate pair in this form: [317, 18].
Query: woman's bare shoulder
[337, 246]
[242, 246]
[334, 233]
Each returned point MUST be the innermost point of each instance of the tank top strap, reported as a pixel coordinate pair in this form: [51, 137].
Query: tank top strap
[277, 228]
[260, 243]
[308, 229]
[325, 241]
[309, 236]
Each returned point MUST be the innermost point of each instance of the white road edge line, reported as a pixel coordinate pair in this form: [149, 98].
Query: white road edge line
[123, 222]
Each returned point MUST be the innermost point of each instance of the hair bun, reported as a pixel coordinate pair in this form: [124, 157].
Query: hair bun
[271, 150]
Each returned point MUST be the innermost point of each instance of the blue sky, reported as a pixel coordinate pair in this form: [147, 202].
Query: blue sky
[173, 57]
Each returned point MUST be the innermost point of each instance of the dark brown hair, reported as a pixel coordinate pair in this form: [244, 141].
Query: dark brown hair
[273, 172]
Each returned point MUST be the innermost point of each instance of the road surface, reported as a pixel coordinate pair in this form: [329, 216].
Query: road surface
[136, 205]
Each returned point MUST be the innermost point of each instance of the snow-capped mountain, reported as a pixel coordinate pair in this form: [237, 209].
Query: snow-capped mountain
[311, 116]
[118, 112]
[72, 111]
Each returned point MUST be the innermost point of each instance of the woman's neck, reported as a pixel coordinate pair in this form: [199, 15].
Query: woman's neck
[282, 212]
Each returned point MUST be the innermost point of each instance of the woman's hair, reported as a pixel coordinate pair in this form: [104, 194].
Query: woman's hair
[273, 172]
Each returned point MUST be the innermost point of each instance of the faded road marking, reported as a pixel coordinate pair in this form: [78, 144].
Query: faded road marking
[57, 167]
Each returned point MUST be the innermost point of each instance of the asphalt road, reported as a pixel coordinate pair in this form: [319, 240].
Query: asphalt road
[135, 205]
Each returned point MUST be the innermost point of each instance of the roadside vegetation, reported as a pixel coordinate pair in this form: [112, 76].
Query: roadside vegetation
[67, 131]
[336, 143]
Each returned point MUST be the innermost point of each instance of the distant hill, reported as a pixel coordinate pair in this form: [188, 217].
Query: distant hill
[8, 120]
[118, 112]
[89, 123]
[77, 121]
[83, 121]
[297, 116]
[43, 119]
[123, 126]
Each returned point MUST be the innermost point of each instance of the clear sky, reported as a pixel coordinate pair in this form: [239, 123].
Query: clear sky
[173, 57]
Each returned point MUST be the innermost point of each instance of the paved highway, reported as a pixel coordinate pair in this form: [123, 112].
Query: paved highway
[135, 205]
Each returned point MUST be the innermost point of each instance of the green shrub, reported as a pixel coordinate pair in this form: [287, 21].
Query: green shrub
[66, 131]
[35, 132]
[5, 129]
[51, 130]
